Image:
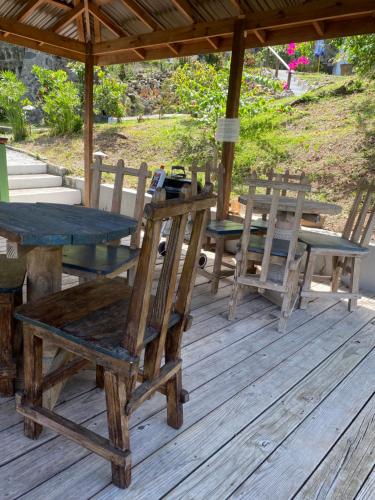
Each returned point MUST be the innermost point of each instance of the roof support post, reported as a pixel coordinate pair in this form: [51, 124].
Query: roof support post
[89, 121]
[233, 101]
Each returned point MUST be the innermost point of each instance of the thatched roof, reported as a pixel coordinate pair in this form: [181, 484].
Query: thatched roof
[134, 30]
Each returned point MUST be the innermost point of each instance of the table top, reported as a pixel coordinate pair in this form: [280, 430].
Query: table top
[49, 224]
[286, 204]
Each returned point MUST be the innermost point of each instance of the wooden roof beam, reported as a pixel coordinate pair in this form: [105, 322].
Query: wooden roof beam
[110, 24]
[275, 37]
[27, 32]
[185, 9]
[59, 4]
[69, 17]
[142, 14]
[319, 27]
[319, 10]
[261, 35]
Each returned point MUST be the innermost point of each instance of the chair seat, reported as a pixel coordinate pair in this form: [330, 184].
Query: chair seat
[98, 259]
[322, 241]
[224, 227]
[280, 248]
[12, 274]
[97, 320]
[228, 227]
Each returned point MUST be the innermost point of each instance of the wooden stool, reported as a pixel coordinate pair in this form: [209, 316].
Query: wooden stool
[12, 275]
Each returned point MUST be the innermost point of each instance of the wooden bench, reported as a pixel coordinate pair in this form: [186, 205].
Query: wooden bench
[12, 276]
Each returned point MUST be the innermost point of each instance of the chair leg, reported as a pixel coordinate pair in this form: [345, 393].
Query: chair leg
[99, 377]
[174, 401]
[33, 360]
[7, 365]
[232, 306]
[287, 304]
[336, 273]
[354, 282]
[219, 252]
[307, 279]
[118, 425]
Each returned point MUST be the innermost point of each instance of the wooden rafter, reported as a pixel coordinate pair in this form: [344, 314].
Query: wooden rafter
[59, 4]
[79, 21]
[185, 9]
[320, 10]
[299, 34]
[319, 27]
[110, 24]
[86, 14]
[261, 35]
[28, 9]
[69, 17]
[142, 14]
[26, 32]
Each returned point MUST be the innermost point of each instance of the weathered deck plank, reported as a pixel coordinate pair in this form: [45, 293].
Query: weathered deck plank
[348, 464]
[257, 398]
[183, 455]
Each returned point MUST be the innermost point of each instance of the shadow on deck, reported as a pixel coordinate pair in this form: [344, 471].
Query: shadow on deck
[270, 415]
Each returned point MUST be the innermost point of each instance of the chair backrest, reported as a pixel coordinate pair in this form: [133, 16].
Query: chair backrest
[120, 171]
[275, 188]
[209, 170]
[286, 177]
[146, 315]
[361, 220]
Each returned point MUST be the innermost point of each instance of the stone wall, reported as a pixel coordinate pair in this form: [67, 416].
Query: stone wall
[21, 60]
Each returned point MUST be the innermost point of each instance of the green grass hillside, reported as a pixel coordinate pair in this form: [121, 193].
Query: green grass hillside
[329, 133]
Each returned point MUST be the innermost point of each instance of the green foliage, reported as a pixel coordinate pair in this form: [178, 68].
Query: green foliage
[361, 53]
[109, 95]
[59, 101]
[202, 92]
[12, 92]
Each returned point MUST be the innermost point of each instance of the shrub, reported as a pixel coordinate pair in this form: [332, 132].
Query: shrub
[109, 95]
[59, 100]
[12, 101]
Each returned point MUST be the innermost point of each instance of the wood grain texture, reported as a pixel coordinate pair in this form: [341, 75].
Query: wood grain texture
[349, 462]
[54, 224]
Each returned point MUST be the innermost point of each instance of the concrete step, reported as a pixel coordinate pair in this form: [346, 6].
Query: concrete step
[33, 181]
[62, 195]
[21, 163]
[27, 168]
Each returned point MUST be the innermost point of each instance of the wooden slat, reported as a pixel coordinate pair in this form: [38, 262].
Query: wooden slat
[75, 453]
[75, 432]
[348, 464]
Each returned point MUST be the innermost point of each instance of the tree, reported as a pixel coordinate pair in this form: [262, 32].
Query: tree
[360, 51]
[59, 100]
[109, 95]
[12, 101]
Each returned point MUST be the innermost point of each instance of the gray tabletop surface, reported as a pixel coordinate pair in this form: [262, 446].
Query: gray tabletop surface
[49, 224]
[286, 204]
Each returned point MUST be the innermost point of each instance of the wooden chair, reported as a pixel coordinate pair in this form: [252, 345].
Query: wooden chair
[112, 325]
[346, 251]
[12, 276]
[93, 261]
[269, 250]
[221, 229]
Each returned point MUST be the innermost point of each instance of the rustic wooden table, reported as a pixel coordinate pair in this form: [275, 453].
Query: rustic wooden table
[40, 230]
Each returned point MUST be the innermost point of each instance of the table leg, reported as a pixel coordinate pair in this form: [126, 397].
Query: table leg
[44, 275]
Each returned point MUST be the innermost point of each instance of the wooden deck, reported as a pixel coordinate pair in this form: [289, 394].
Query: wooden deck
[271, 416]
